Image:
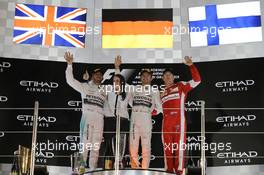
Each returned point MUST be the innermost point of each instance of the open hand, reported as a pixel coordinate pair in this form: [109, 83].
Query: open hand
[188, 60]
[68, 57]
[118, 61]
[86, 75]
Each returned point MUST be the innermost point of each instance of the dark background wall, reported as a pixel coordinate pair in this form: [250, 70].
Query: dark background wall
[232, 90]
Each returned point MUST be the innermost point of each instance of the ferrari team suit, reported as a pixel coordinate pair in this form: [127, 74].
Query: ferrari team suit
[174, 123]
[92, 122]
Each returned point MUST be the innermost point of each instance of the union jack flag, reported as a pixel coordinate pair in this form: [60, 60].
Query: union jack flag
[50, 25]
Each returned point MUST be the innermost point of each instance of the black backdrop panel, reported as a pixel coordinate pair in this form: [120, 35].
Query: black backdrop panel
[226, 84]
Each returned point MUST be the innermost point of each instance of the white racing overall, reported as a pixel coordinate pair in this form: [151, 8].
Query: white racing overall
[92, 122]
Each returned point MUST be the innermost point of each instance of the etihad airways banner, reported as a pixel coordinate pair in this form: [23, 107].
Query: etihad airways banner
[232, 90]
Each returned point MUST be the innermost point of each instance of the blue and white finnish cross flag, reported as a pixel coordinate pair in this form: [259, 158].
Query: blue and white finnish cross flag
[225, 24]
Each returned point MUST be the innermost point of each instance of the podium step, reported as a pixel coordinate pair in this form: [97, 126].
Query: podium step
[128, 172]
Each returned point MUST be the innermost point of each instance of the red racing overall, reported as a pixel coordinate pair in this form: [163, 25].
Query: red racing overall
[174, 125]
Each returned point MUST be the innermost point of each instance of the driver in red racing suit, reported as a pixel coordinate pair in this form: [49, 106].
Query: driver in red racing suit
[174, 124]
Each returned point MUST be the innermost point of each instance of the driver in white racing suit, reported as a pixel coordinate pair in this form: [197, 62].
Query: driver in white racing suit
[143, 102]
[92, 122]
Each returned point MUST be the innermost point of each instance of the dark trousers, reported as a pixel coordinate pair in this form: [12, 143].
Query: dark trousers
[110, 136]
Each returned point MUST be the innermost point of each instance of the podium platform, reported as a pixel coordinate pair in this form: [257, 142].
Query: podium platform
[128, 172]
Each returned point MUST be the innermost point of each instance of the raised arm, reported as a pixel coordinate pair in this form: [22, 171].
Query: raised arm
[86, 76]
[75, 84]
[118, 62]
[196, 78]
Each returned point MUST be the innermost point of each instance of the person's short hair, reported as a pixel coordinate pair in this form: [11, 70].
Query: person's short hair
[168, 70]
[97, 70]
[146, 70]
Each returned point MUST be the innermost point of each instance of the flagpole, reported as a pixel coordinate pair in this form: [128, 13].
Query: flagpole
[34, 137]
[203, 160]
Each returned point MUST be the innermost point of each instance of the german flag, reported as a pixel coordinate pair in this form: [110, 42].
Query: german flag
[137, 28]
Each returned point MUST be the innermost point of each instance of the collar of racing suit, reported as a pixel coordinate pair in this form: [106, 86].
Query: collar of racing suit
[170, 86]
[91, 83]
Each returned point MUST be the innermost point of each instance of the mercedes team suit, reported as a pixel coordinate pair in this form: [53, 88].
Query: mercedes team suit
[143, 104]
[174, 124]
[92, 122]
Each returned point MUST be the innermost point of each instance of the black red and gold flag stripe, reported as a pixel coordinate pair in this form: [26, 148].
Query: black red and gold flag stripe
[137, 28]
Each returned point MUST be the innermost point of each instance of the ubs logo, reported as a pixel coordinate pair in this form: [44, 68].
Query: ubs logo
[3, 99]
[4, 65]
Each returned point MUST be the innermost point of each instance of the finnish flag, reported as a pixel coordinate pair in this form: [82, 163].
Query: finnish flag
[225, 24]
